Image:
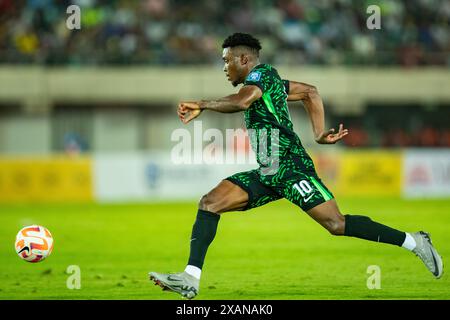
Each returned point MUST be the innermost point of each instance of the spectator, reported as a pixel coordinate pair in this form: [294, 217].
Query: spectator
[414, 32]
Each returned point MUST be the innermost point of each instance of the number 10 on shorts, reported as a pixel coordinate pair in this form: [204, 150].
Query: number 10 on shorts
[304, 188]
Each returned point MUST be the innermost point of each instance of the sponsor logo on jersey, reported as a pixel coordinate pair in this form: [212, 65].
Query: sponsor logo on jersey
[254, 76]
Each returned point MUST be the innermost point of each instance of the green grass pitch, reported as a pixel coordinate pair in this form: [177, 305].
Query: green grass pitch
[273, 252]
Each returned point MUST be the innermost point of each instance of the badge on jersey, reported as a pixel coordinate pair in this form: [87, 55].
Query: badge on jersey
[254, 76]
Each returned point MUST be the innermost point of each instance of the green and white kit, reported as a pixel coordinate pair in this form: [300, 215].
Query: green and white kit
[285, 168]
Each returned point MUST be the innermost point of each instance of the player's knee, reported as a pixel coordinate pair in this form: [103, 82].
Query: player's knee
[202, 204]
[207, 203]
[336, 227]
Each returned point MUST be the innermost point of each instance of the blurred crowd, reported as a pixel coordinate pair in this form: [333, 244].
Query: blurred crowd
[175, 32]
[399, 137]
[398, 126]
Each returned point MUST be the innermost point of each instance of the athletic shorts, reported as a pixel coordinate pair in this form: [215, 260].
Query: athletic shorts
[293, 180]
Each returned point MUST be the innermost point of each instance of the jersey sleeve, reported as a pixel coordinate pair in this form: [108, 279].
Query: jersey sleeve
[258, 78]
[286, 85]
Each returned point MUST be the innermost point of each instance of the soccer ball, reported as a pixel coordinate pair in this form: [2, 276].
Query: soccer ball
[34, 243]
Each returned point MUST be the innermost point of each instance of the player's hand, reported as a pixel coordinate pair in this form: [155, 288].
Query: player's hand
[188, 111]
[329, 137]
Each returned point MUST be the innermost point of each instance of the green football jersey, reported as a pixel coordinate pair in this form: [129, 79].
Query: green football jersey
[268, 121]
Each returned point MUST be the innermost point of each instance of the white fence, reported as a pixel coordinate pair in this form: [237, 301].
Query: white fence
[153, 176]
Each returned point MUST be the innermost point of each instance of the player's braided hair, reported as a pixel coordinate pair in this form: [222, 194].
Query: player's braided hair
[242, 39]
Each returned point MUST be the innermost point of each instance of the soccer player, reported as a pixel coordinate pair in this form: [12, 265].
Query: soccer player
[285, 168]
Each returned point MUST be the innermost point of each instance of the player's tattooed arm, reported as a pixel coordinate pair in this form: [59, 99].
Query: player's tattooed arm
[312, 101]
[189, 110]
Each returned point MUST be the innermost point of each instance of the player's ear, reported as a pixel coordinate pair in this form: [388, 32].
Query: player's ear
[244, 59]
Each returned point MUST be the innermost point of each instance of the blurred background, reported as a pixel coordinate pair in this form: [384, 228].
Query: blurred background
[89, 114]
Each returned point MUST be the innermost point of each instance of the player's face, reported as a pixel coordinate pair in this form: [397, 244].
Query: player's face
[232, 67]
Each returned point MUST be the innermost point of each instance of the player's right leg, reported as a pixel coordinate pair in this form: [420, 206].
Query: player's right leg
[241, 191]
[227, 196]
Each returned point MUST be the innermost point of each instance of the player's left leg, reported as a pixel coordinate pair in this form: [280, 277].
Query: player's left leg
[328, 215]
[305, 189]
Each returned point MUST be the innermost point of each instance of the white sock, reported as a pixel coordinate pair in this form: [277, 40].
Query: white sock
[193, 271]
[409, 243]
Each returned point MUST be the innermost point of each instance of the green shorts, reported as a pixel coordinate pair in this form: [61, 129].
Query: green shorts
[293, 180]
